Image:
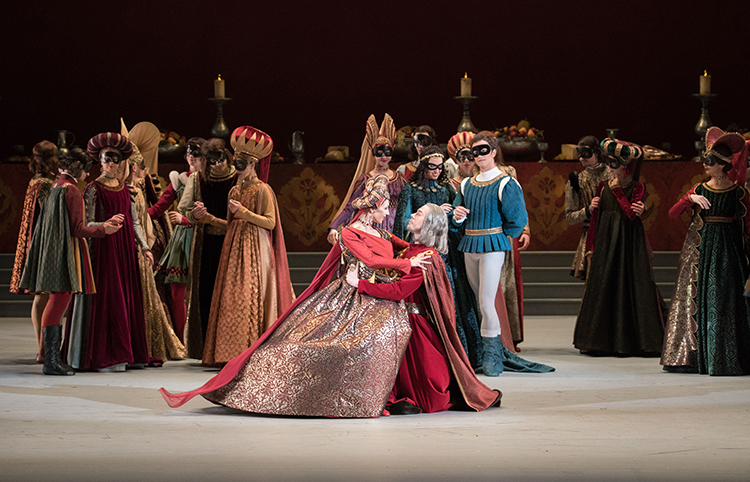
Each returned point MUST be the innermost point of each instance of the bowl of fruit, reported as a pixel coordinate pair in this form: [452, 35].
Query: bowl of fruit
[171, 147]
[519, 141]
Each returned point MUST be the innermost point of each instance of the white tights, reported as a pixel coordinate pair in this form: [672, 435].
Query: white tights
[483, 271]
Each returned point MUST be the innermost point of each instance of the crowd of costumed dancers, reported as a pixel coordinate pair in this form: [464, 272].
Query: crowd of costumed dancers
[420, 292]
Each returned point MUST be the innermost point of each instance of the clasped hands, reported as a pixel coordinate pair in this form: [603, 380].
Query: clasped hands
[421, 260]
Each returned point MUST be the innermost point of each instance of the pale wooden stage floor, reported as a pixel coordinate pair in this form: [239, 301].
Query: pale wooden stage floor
[593, 419]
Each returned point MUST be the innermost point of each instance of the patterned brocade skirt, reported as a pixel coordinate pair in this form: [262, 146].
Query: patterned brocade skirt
[336, 355]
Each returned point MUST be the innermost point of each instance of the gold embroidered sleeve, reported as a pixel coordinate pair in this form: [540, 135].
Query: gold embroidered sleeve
[266, 206]
[574, 214]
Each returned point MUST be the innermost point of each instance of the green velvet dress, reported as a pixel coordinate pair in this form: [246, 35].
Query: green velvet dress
[622, 309]
[708, 327]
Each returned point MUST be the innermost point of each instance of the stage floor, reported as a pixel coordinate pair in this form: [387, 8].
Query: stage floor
[593, 419]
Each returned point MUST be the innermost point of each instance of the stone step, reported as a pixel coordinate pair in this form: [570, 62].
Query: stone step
[547, 258]
[551, 306]
[15, 309]
[6, 260]
[5, 293]
[536, 291]
[302, 275]
[306, 260]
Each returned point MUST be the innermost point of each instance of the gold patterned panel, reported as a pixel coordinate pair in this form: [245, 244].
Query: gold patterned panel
[307, 204]
[545, 194]
[653, 201]
[8, 207]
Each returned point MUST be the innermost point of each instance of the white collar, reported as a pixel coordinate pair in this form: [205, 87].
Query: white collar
[489, 175]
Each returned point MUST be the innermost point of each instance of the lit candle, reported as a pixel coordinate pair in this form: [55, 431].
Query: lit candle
[705, 83]
[219, 88]
[466, 86]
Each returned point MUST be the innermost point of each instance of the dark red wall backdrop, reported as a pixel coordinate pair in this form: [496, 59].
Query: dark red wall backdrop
[571, 68]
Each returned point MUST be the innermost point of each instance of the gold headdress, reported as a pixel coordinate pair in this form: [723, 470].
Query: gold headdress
[374, 136]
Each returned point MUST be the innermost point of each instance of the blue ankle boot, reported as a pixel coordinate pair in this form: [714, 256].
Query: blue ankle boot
[492, 364]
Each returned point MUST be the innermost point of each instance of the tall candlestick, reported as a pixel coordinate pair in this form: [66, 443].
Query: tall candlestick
[219, 91]
[704, 81]
[466, 85]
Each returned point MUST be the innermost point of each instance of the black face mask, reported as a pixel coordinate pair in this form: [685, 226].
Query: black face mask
[215, 157]
[382, 151]
[240, 164]
[585, 152]
[111, 157]
[422, 140]
[464, 155]
[433, 167]
[612, 162]
[711, 160]
[481, 150]
[193, 150]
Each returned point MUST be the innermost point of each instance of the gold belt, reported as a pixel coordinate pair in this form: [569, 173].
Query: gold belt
[415, 309]
[483, 232]
[718, 219]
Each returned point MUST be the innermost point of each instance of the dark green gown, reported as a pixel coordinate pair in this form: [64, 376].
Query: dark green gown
[717, 340]
[622, 310]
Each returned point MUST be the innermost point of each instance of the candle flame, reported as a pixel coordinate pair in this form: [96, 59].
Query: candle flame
[466, 75]
[705, 73]
[219, 77]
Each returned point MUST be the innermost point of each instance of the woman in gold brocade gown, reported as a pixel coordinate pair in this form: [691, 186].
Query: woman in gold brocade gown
[252, 287]
[336, 352]
[161, 339]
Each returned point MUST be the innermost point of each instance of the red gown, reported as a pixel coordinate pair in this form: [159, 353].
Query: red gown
[435, 374]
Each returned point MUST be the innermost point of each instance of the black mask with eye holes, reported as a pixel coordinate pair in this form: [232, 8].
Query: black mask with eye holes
[611, 161]
[465, 154]
[382, 151]
[585, 152]
[193, 150]
[108, 157]
[422, 140]
[481, 150]
[240, 164]
[215, 157]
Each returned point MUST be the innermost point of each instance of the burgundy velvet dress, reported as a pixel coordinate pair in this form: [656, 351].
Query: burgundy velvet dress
[117, 327]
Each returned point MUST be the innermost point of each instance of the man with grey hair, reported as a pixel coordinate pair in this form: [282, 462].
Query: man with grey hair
[425, 382]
